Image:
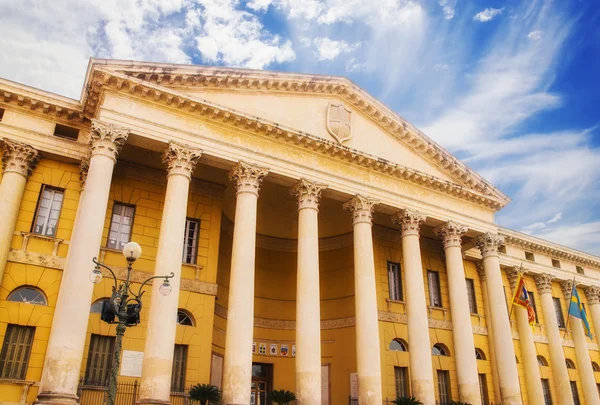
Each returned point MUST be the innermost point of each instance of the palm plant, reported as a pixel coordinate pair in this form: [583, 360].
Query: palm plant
[282, 397]
[459, 403]
[407, 401]
[205, 394]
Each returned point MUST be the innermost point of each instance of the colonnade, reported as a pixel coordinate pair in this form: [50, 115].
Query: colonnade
[65, 349]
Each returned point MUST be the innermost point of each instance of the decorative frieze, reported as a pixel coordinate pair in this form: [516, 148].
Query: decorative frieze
[451, 233]
[543, 282]
[36, 259]
[361, 208]
[488, 243]
[19, 158]
[308, 193]
[107, 139]
[181, 159]
[409, 220]
[592, 294]
[248, 177]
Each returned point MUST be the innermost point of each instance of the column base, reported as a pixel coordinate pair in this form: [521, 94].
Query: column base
[56, 398]
[152, 401]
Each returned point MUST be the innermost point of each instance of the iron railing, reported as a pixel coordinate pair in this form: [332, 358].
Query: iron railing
[127, 394]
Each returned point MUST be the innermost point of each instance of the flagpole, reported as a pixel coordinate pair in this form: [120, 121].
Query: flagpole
[512, 302]
[568, 308]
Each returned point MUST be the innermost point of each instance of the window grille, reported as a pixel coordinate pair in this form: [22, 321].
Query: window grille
[444, 387]
[190, 241]
[15, 351]
[401, 378]
[99, 360]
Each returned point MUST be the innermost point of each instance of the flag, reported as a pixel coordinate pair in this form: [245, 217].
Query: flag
[578, 311]
[522, 299]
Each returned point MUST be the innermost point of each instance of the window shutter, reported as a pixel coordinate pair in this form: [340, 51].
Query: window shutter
[16, 351]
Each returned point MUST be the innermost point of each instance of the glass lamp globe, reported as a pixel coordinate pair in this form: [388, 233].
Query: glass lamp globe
[95, 276]
[165, 288]
[132, 251]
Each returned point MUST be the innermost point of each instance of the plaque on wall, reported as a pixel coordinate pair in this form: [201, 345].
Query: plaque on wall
[131, 363]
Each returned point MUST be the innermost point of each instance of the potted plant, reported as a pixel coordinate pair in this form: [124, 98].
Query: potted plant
[282, 397]
[407, 401]
[205, 394]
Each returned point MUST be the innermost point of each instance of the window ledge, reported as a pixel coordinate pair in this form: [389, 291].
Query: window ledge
[29, 235]
[16, 382]
[196, 267]
[394, 301]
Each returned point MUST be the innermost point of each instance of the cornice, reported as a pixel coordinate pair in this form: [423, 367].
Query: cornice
[177, 76]
[102, 80]
[533, 244]
[41, 101]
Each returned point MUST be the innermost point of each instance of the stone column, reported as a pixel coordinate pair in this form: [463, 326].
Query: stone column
[531, 368]
[368, 354]
[308, 299]
[582, 354]
[419, 344]
[18, 161]
[462, 329]
[592, 293]
[237, 370]
[155, 386]
[490, 329]
[560, 375]
[69, 325]
[506, 363]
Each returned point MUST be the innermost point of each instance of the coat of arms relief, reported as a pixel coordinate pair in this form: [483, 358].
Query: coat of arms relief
[339, 122]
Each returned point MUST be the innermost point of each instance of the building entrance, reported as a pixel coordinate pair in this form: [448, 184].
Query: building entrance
[262, 383]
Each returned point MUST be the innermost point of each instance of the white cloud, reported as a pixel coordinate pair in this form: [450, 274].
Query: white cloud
[556, 218]
[329, 49]
[488, 14]
[584, 236]
[535, 35]
[257, 5]
[448, 8]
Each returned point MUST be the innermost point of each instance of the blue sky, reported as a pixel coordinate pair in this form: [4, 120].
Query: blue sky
[510, 87]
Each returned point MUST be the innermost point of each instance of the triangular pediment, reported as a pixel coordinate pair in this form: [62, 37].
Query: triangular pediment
[303, 104]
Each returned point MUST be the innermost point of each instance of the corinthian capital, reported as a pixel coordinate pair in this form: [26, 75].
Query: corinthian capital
[19, 158]
[107, 139]
[451, 233]
[181, 159]
[592, 293]
[308, 194]
[543, 282]
[248, 177]
[566, 286]
[512, 273]
[488, 244]
[409, 221]
[361, 208]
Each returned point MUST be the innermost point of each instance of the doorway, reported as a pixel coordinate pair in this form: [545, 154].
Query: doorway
[262, 382]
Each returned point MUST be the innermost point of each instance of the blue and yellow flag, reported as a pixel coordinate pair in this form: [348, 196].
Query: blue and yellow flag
[578, 311]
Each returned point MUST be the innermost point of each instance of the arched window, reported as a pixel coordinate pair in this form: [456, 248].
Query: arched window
[542, 361]
[399, 345]
[479, 354]
[28, 295]
[96, 307]
[440, 350]
[570, 364]
[184, 318]
[595, 366]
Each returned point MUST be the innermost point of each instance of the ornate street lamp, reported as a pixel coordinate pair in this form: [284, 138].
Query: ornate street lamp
[125, 305]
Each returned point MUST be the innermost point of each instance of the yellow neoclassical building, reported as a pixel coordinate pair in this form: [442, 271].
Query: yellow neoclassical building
[319, 244]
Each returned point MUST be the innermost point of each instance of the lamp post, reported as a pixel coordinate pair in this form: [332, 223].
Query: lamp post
[125, 305]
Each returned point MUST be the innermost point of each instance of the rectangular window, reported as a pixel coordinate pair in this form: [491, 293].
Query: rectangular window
[580, 270]
[444, 387]
[556, 263]
[66, 132]
[529, 256]
[502, 249]
[190, 241]
[532, 298]
[435, 292]
[546, 391]
[15, 351]
[179, 367]
[471, 295]
[120, 226]
[575, 393]
[99, 360]
[48, 211]
[483, 389]
[401, 377]
[559, 314]
[395, 281]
